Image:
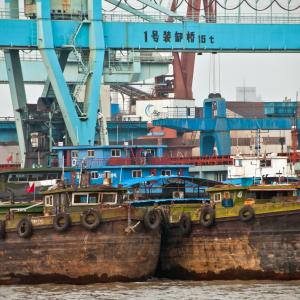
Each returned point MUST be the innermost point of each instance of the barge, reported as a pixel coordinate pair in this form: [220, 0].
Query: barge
[244, 233]
[84, 235]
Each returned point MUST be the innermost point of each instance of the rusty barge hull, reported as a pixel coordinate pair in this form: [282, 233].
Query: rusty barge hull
[267, 247]
[80, 256]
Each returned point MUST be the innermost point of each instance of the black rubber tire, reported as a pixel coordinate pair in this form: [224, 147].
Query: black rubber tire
[207, 216]
[185, 224]
[165, 223]
[152, 219]
[85, 219]
[2, 229]
[24, 228]
[246, 213]
[61, 222]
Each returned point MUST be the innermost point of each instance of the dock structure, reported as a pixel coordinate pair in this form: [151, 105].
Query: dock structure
[91, 36]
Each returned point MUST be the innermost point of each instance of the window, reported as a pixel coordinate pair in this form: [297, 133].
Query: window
[150, 152]
[80, 198]
[49, 200]
[136, 173]
[52, 176]
[93, 198]
[85, 198]
[91, 153]
[115, 153]
[109, 198]
[94, 175]
[166, 172]
[217, 197]
[74, 154]
[265, 163]
[238, 162]
[18, 178]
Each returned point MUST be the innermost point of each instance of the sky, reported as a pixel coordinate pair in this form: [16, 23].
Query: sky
[275, 76]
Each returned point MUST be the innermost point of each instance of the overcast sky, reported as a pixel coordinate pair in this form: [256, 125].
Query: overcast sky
[275, 76]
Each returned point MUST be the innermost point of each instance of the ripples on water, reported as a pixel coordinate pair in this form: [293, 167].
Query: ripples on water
[158, 289]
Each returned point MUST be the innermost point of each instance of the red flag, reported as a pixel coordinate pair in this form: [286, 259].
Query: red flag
[9, 158]
[30, 188]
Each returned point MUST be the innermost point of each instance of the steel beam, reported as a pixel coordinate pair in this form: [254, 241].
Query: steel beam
[92, 102]
[63, 59]
[18, 96]
[138, 36]
[59, 85]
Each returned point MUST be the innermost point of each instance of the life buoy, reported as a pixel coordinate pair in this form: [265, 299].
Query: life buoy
[74, 162]
[24, 228]
[185, 224]
[2, 229]
[246, 213]
[90, 219]
[152, 219]
[61, 222]
[207, 216]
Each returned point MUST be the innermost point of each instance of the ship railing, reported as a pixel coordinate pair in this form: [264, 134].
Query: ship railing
[274, 18]
[24, 209]
[192, 160]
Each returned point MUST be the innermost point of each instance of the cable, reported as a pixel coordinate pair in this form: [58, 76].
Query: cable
[211, 2]
[114, 8]
[145, 5]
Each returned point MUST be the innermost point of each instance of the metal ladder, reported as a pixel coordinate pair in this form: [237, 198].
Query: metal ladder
[85, 69]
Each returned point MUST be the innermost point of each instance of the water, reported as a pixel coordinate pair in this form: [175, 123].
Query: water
[158, 290]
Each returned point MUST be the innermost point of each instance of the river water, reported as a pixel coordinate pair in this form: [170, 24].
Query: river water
[159, 289]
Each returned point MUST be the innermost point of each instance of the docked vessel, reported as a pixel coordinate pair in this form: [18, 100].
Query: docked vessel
[245, 233]
[85, 235]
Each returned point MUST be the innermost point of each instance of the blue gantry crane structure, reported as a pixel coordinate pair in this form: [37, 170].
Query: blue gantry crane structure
[215, 125]
[91, 33]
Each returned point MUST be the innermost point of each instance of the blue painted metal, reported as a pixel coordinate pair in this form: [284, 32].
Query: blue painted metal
[215, 127]
[18, 96]
[51, 35]
[130, 35]
[8, 133]
[80, 131]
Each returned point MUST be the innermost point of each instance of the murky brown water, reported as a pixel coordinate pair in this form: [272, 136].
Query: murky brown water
[159, 289]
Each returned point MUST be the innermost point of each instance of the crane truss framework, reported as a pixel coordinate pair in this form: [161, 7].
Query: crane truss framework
[50, 36]
[215, 127]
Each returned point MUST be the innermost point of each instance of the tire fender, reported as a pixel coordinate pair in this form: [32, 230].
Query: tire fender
[246, 213]
[96, 219]
[61, 222]
[207, 216]
[185, 224]
[2, 229]
[152, 219]
[24, 228]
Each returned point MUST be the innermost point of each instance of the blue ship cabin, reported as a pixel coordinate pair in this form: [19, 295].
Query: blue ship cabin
[116, 163]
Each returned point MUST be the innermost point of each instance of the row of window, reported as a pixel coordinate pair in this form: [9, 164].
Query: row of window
[260, 163]
[86, 199]
[114, 153]
[134, 173]
[32, 177]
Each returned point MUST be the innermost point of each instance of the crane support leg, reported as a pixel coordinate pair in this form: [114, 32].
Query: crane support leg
[18, 96]
[81, 130]
[63, 58]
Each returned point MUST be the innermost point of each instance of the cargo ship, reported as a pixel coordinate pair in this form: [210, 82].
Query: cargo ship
[85, 234]
[243, 233]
